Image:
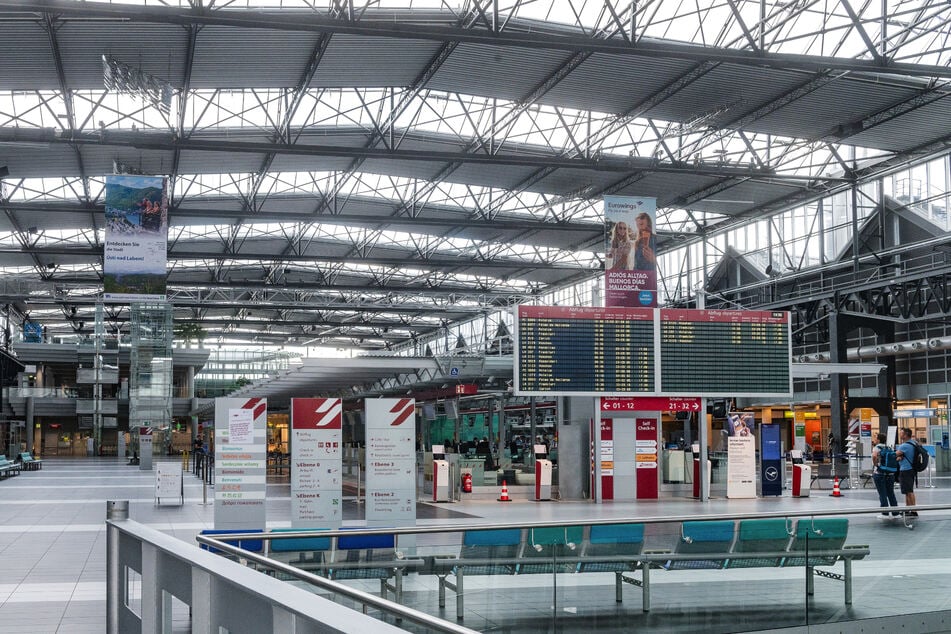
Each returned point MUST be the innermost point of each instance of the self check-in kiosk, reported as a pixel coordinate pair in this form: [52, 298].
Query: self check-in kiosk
[441, 484]
[542, 474]
[801, 475]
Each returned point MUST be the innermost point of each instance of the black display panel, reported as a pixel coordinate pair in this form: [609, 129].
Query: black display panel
[644, 351]
[725, 352]
[584, 350]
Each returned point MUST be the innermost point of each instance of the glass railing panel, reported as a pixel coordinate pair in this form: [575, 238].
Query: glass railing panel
[725, 573]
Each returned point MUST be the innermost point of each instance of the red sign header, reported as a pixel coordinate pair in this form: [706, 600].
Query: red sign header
[467, 388]
[650, 404]
[575, 312]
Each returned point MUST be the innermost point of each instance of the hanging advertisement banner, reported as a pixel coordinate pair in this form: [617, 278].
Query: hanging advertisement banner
[136, 240]
[240, 463]
[741, 456]
[630, 266]
[391, 462]
[316, 462]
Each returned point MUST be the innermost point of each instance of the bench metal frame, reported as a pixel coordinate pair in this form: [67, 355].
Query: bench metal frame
[655, 559]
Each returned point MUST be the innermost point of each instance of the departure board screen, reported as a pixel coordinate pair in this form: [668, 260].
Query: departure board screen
[725, 352]
[584, 351]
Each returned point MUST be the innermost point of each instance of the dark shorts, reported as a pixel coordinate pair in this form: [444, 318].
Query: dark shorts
[906, 480]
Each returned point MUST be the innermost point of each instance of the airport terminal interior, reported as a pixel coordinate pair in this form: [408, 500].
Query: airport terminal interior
[483, 315]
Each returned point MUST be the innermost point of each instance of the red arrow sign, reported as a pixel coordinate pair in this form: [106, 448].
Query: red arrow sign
[650, 404]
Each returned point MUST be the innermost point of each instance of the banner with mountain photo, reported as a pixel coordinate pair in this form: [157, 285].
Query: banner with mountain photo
[135, 253]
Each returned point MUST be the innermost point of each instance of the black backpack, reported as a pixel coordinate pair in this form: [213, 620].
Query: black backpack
[919, 462]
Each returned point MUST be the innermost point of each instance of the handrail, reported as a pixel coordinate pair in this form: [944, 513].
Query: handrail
[338, 588]
[218, 539]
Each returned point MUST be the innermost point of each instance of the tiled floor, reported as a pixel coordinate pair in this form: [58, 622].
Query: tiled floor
[52, 548]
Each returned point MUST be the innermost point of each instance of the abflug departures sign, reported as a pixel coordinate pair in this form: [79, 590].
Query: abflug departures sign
[663, 352]
[585, 350]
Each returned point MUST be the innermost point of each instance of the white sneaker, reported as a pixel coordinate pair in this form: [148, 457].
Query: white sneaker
[884, 516]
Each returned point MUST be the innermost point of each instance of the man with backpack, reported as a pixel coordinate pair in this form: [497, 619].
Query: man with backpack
[885, 468]
[907, 453]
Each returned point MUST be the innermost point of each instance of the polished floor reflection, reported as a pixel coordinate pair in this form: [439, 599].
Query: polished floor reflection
[52, 542]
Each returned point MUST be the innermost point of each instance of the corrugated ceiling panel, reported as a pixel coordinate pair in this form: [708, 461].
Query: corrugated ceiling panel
[666, 187]
[912, 129]
[223, 204]
[743, 197]
[738, 88]
[613, 83]
[195, 162]
[354, 60]
[503, 176]
[29, 161]
[55, 221]
[407, 169]
[250, 58]
[27, 59]
[295, 163]
[98, 159]
[157, 49]
[563, 182]
[506, 72]
[833, 104]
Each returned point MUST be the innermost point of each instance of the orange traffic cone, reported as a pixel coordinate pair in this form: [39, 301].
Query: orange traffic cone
[836, 493]
[504, 496]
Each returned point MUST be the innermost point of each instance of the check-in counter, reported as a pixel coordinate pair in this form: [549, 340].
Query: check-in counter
[475, 467]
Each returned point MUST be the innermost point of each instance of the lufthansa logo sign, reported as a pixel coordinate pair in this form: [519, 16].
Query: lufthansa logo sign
[771, 473]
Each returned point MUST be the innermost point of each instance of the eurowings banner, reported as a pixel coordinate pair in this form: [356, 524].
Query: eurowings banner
[630, 266]
[136, 247]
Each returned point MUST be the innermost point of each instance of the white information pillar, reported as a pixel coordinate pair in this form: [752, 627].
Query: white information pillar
[391, 462]
[145, 448]
[442, 488]
[240, 463]
[542, 474]
[316, 463]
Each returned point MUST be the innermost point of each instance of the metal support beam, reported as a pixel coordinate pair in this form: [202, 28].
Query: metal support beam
[311, 21]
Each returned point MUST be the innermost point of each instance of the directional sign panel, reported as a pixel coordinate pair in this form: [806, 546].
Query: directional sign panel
[391, 462]
[316, 463]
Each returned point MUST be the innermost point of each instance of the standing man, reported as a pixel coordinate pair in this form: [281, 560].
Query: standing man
[906, 470]
[884, 474]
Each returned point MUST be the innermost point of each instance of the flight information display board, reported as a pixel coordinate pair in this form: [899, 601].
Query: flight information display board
[725, 352]
[646, 351]
[584, 350]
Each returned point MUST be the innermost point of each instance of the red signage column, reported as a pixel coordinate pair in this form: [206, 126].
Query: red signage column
[606, 456]
[648, 483]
